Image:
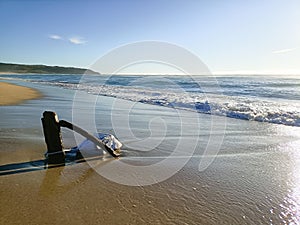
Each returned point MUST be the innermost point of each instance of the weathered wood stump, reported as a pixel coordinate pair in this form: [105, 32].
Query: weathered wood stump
[52, 133]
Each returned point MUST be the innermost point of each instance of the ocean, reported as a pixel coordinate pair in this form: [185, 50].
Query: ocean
[272, 99]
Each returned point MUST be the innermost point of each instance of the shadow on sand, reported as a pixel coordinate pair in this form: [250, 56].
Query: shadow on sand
[30, 166]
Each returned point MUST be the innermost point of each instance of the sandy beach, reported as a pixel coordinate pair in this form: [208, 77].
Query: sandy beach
[14, 94]
[254, 179]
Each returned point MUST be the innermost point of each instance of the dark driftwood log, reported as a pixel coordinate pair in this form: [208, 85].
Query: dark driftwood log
[52, 133]
[53, 140]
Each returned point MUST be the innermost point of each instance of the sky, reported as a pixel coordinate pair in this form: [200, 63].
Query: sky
[229, 36]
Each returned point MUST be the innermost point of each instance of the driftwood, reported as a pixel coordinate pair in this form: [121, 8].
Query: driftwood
[52, 133]
[53, 139]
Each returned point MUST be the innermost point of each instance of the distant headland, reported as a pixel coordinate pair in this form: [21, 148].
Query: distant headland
[11, 68]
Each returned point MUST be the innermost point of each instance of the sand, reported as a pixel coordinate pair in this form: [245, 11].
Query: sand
[11, 94]
[253, 180]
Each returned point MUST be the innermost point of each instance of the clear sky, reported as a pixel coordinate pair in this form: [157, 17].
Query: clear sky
[238, 36]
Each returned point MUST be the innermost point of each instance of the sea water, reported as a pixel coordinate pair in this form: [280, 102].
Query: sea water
[273, 99]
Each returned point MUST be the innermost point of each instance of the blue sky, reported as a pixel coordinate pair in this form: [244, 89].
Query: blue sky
[229, 36]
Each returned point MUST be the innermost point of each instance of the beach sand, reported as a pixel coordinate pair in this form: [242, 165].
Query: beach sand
[254, 179]
[11, 94]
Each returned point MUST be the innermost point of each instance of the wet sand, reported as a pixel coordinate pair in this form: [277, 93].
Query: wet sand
[11, 94]
[254, 179]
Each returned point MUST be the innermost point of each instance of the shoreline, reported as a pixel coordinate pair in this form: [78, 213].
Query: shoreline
[11, 94]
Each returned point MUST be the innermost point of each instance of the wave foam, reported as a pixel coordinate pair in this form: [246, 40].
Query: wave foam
[246, 108]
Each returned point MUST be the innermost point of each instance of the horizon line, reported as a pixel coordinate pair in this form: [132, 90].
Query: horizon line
[290, 72]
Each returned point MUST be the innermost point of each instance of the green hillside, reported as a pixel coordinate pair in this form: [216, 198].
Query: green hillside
[41, 69]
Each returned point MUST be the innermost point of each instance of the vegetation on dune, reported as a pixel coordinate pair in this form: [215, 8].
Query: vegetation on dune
[42, 69]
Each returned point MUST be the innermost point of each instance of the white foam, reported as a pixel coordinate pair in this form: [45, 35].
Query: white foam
[248, 108]
[278, 111]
